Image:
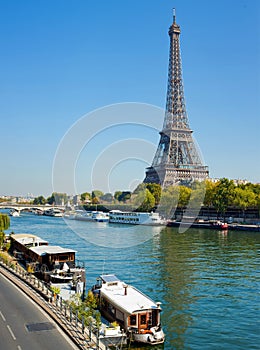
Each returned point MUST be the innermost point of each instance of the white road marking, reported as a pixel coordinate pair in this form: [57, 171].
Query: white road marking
[3, 318]
[11, 332]
[19, 348]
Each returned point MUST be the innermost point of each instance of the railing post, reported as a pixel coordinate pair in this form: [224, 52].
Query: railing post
[90, 330]
[70, 313]
[76, 320]
[97, 338]
[83, 325]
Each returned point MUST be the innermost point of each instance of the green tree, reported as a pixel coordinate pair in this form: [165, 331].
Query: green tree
[39, 200]
[107, 197]
[95, 195]
[169, 201]
[117, 194]
[124, 196]
[4, 225]
[223, 196]
[140, 188]
[258, 202]
[156, 191]
[51, 200]
[95, 200]
[244, 198]
[184, 196]
[86, 308]
[85, 196]
[209, 194]
[147, 201]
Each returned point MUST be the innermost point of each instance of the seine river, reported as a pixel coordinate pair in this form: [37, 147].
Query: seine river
[206, 280]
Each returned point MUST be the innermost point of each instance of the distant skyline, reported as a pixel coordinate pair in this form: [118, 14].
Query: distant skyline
[70, 68]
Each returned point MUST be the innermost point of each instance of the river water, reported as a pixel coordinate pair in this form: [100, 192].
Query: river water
[206, 280]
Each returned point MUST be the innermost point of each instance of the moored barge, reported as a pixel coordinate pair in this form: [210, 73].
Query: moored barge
[53, 264]
[137, 314]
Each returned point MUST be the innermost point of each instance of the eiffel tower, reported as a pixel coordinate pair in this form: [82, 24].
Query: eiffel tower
[177, 160]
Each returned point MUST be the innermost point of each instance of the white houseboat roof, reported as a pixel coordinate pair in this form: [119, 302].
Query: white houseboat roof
[51, 249]
[28, 239]
[125, 297]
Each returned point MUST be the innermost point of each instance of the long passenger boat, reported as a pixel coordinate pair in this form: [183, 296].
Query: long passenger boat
[136, 313]
[136, 218]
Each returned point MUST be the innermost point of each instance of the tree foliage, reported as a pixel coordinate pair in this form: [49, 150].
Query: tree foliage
[156, 191]
[85, 196]
[147, 201]
[124, 196]
[86, 309]
[169, 201]
[95, 195]
[39, 200]
[117, 194]
[107, 197]
[244, 198]
[223, 195]
[57, 198]
[4, 225]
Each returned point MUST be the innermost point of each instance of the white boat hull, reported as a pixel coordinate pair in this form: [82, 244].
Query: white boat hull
[149, 338]
[135, 218]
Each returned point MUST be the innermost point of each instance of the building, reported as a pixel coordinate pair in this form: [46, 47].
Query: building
[177, 160]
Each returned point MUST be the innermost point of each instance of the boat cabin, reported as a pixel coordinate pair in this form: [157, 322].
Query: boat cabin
[21, 242]
[54, 257]
[34, 249]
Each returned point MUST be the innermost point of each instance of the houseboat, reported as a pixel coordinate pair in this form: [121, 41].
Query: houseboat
[136, 314]
[53, 264]
[136, 218]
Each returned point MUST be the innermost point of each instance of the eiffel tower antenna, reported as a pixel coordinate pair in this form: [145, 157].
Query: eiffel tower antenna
[177, 160]
[174, 16]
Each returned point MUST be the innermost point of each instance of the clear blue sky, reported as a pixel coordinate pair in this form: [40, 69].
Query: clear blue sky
[61, 59]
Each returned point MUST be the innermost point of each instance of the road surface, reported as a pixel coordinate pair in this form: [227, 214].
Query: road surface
[24, 325]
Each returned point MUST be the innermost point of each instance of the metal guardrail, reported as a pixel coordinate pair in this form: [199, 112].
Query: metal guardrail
[86, 337]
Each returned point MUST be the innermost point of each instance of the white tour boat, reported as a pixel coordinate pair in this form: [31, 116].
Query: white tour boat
[137, 314]
[136, 218]
[14, 213]
[53, 212]
[98, 216]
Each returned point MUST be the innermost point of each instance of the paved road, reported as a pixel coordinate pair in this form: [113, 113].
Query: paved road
[24, 326]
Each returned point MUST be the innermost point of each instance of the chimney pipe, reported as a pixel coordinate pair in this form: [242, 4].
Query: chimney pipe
[125, 286]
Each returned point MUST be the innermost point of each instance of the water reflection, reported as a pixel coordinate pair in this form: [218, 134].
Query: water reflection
[206, 280]
[208, 277]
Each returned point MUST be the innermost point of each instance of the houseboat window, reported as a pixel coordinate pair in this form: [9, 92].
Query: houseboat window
[64, 257]
[119, 315]
[111, 309]
[150, 318]
[143, 319]
[132, 320]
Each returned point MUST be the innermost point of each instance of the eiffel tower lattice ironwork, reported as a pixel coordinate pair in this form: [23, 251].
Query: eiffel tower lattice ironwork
[177, 160]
